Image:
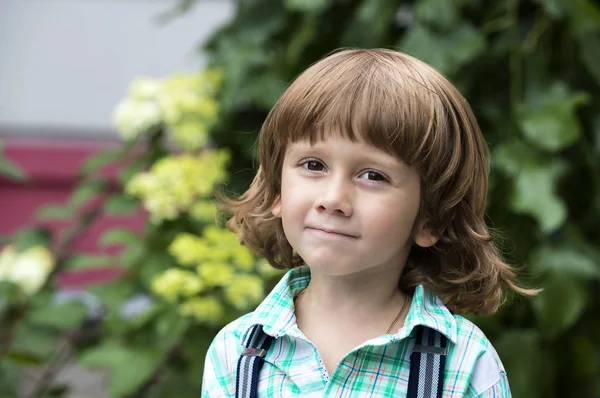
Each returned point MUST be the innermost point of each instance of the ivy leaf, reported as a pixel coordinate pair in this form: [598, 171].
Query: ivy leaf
[584, 16]
[564, 260]
[129, 367]
[534, 194]
[370, 24]
[589, 51]
[448, 52]
[438, 13]
[548, 119]
[559, 305]
[555, 8]
[528, 365]
[306, 5]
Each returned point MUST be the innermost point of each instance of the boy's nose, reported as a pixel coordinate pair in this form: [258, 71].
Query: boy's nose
[335, 199]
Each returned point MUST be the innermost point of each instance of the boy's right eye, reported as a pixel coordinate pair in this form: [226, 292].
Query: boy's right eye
[313, 165]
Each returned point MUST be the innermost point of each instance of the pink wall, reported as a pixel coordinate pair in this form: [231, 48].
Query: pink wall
[53, 166]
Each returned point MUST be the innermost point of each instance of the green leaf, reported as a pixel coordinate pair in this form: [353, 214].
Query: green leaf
[548, 119]
[589, 51]
[119, 205]
[33, 341]
[98, 161]
[82, 261]
[564, 260]
[534, 194]
[58, 316]
[559, 305]
[10, 375]
[30, 237]
[128, 367]
[113, 294]
[11, 170]
[87, 192]
[371, 24]
[555, 8]
[119, 236]
[55, 212]
[584, 16]
[131, 256]
[438, 13]
[447, 53]
[528, 364]
[306, 5]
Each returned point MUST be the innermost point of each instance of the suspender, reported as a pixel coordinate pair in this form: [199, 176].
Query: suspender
[427, 362]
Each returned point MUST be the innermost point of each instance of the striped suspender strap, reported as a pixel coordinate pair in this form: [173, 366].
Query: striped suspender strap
[427, 362]
[256, 346]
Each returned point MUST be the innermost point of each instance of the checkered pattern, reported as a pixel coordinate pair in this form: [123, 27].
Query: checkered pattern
[377, 368]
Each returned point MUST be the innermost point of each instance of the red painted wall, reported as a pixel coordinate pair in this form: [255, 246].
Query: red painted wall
[52, 166]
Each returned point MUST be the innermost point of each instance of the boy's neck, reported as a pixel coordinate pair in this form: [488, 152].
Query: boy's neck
[363, 297]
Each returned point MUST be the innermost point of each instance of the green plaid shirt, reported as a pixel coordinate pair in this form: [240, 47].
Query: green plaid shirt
[377, 368]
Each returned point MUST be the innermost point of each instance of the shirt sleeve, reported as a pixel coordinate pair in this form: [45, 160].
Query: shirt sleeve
[499, 390]
[489, 378]
[218, 379]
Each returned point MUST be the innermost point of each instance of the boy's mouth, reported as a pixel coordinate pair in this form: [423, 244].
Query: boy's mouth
[332, 232]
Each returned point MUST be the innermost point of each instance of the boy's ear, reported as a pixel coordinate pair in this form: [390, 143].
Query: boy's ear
[276, 207]
[425, 237]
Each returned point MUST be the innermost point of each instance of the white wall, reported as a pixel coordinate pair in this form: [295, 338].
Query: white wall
[64, 64]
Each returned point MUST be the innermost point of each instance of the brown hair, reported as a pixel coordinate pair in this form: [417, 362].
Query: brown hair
[405, 107]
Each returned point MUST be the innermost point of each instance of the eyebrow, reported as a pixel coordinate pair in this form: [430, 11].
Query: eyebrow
[389, 161]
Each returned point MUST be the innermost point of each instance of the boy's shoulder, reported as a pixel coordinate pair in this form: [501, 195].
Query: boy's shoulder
[474, 349]
[235, 329]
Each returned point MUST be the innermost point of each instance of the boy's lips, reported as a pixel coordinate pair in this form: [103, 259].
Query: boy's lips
[331, 231]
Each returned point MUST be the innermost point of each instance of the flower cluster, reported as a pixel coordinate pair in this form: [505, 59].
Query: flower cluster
[212, 266]
[184, 104]
[179, 184]
[28, 269]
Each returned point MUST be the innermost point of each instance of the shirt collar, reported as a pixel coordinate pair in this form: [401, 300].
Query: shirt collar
[276, 312]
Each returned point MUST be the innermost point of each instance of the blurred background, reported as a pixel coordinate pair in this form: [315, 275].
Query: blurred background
[119, 119]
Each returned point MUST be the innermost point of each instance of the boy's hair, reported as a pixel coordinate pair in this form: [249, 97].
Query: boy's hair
[406, 108]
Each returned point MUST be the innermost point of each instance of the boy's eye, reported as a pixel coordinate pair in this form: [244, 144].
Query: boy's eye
[314, 165]
[373, 176]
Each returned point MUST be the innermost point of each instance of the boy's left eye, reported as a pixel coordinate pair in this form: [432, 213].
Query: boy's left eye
[373, 176]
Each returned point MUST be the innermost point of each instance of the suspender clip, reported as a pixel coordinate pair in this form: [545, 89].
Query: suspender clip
[254, 352]
[430, 350]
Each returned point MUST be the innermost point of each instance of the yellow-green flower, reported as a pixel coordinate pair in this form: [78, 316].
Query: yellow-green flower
[188, 249]
[204, 309]
[29, 269]
[134, 117]
[176, 183]
[204, 210]
[216, 273]
[174, 283]
[245, 291]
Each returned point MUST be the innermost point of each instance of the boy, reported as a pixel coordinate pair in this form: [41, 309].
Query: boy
[371, 189]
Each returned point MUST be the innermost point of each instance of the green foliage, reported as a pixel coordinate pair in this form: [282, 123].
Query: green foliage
[530, 70]
[9, 169]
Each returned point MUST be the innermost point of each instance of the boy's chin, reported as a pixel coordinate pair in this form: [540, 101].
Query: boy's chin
[334, 267]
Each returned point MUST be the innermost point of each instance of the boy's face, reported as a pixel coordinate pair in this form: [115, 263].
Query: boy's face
[348, 207]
